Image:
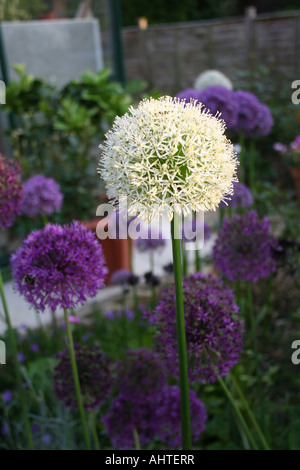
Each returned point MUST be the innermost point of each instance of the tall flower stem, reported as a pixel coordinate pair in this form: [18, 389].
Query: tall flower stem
[17, 366]
[76, 381]
[238, 412]
[197, 261]
[181, 339]
[94, 431]
[249, 412]
[136, 439]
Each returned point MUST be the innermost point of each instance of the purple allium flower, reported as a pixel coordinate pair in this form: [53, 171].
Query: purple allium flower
[281, 148]
[10, 191]
[192, 226]
[253, 118]
[150, 240]
[125, 416]
[242, 196]
[243, 248]
[59, 266]
[222, 100]
[113, 315]
[35, 428]
[188, 95]
[94, 372]
[41, 196]
[139, 374]
[47, 439]
[214, 332]
[5, 429]
[74, 320]
[34, 347]
[264, 122]
[7, 396]
[167, 415]
[21, 357]
[121, 277]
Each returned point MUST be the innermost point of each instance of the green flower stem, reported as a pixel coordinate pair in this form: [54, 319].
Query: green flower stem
[249, 411]
[94, 431]
[184, 259]
[238, 412]
[45, 219]
[181, 340]
[197, 261]
[13, 342]
[136, 439]
[76, 381]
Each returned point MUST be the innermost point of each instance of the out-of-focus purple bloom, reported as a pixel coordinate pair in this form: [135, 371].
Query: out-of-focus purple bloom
[241, 197]
[264, 122]
[59, 266]
[193, 229]
[21, 357]
[121, 277]
[222, 100]
[35, 428]
[34, 347]
[126, 416]
[85, 338]
[243, 248]
[150, 240]
[188, 95]
[114, 314]
[139, 374]
[167, 415]
[41, 196]
[10, 191]
[75, 320]
[281, 148]
[47, 439]
[94, 372]
[7, 396]
[4, 429]
[214, 331]
[254, 118]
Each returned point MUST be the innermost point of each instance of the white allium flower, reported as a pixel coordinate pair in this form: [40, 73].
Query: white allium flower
[212, 78]
[167, 156]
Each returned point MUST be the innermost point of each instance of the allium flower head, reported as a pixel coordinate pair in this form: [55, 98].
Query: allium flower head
[41, 196]
[125, 416]
[264, 122]
[189, 95]
[243, 248]
[121, 277]
[140, 374]
[242, 196]
[212, 78]
[254, 118]
[150, 240]
[10, 191]
[167, 414]
[94, 372]
[214, 332]
[59, 266]
[167, 155]
[222, 100]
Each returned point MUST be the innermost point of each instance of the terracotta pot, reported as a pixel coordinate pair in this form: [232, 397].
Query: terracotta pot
[296, 175]
[117, 252]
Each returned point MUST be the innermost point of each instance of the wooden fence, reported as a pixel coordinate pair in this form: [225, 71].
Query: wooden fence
[170, 57]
